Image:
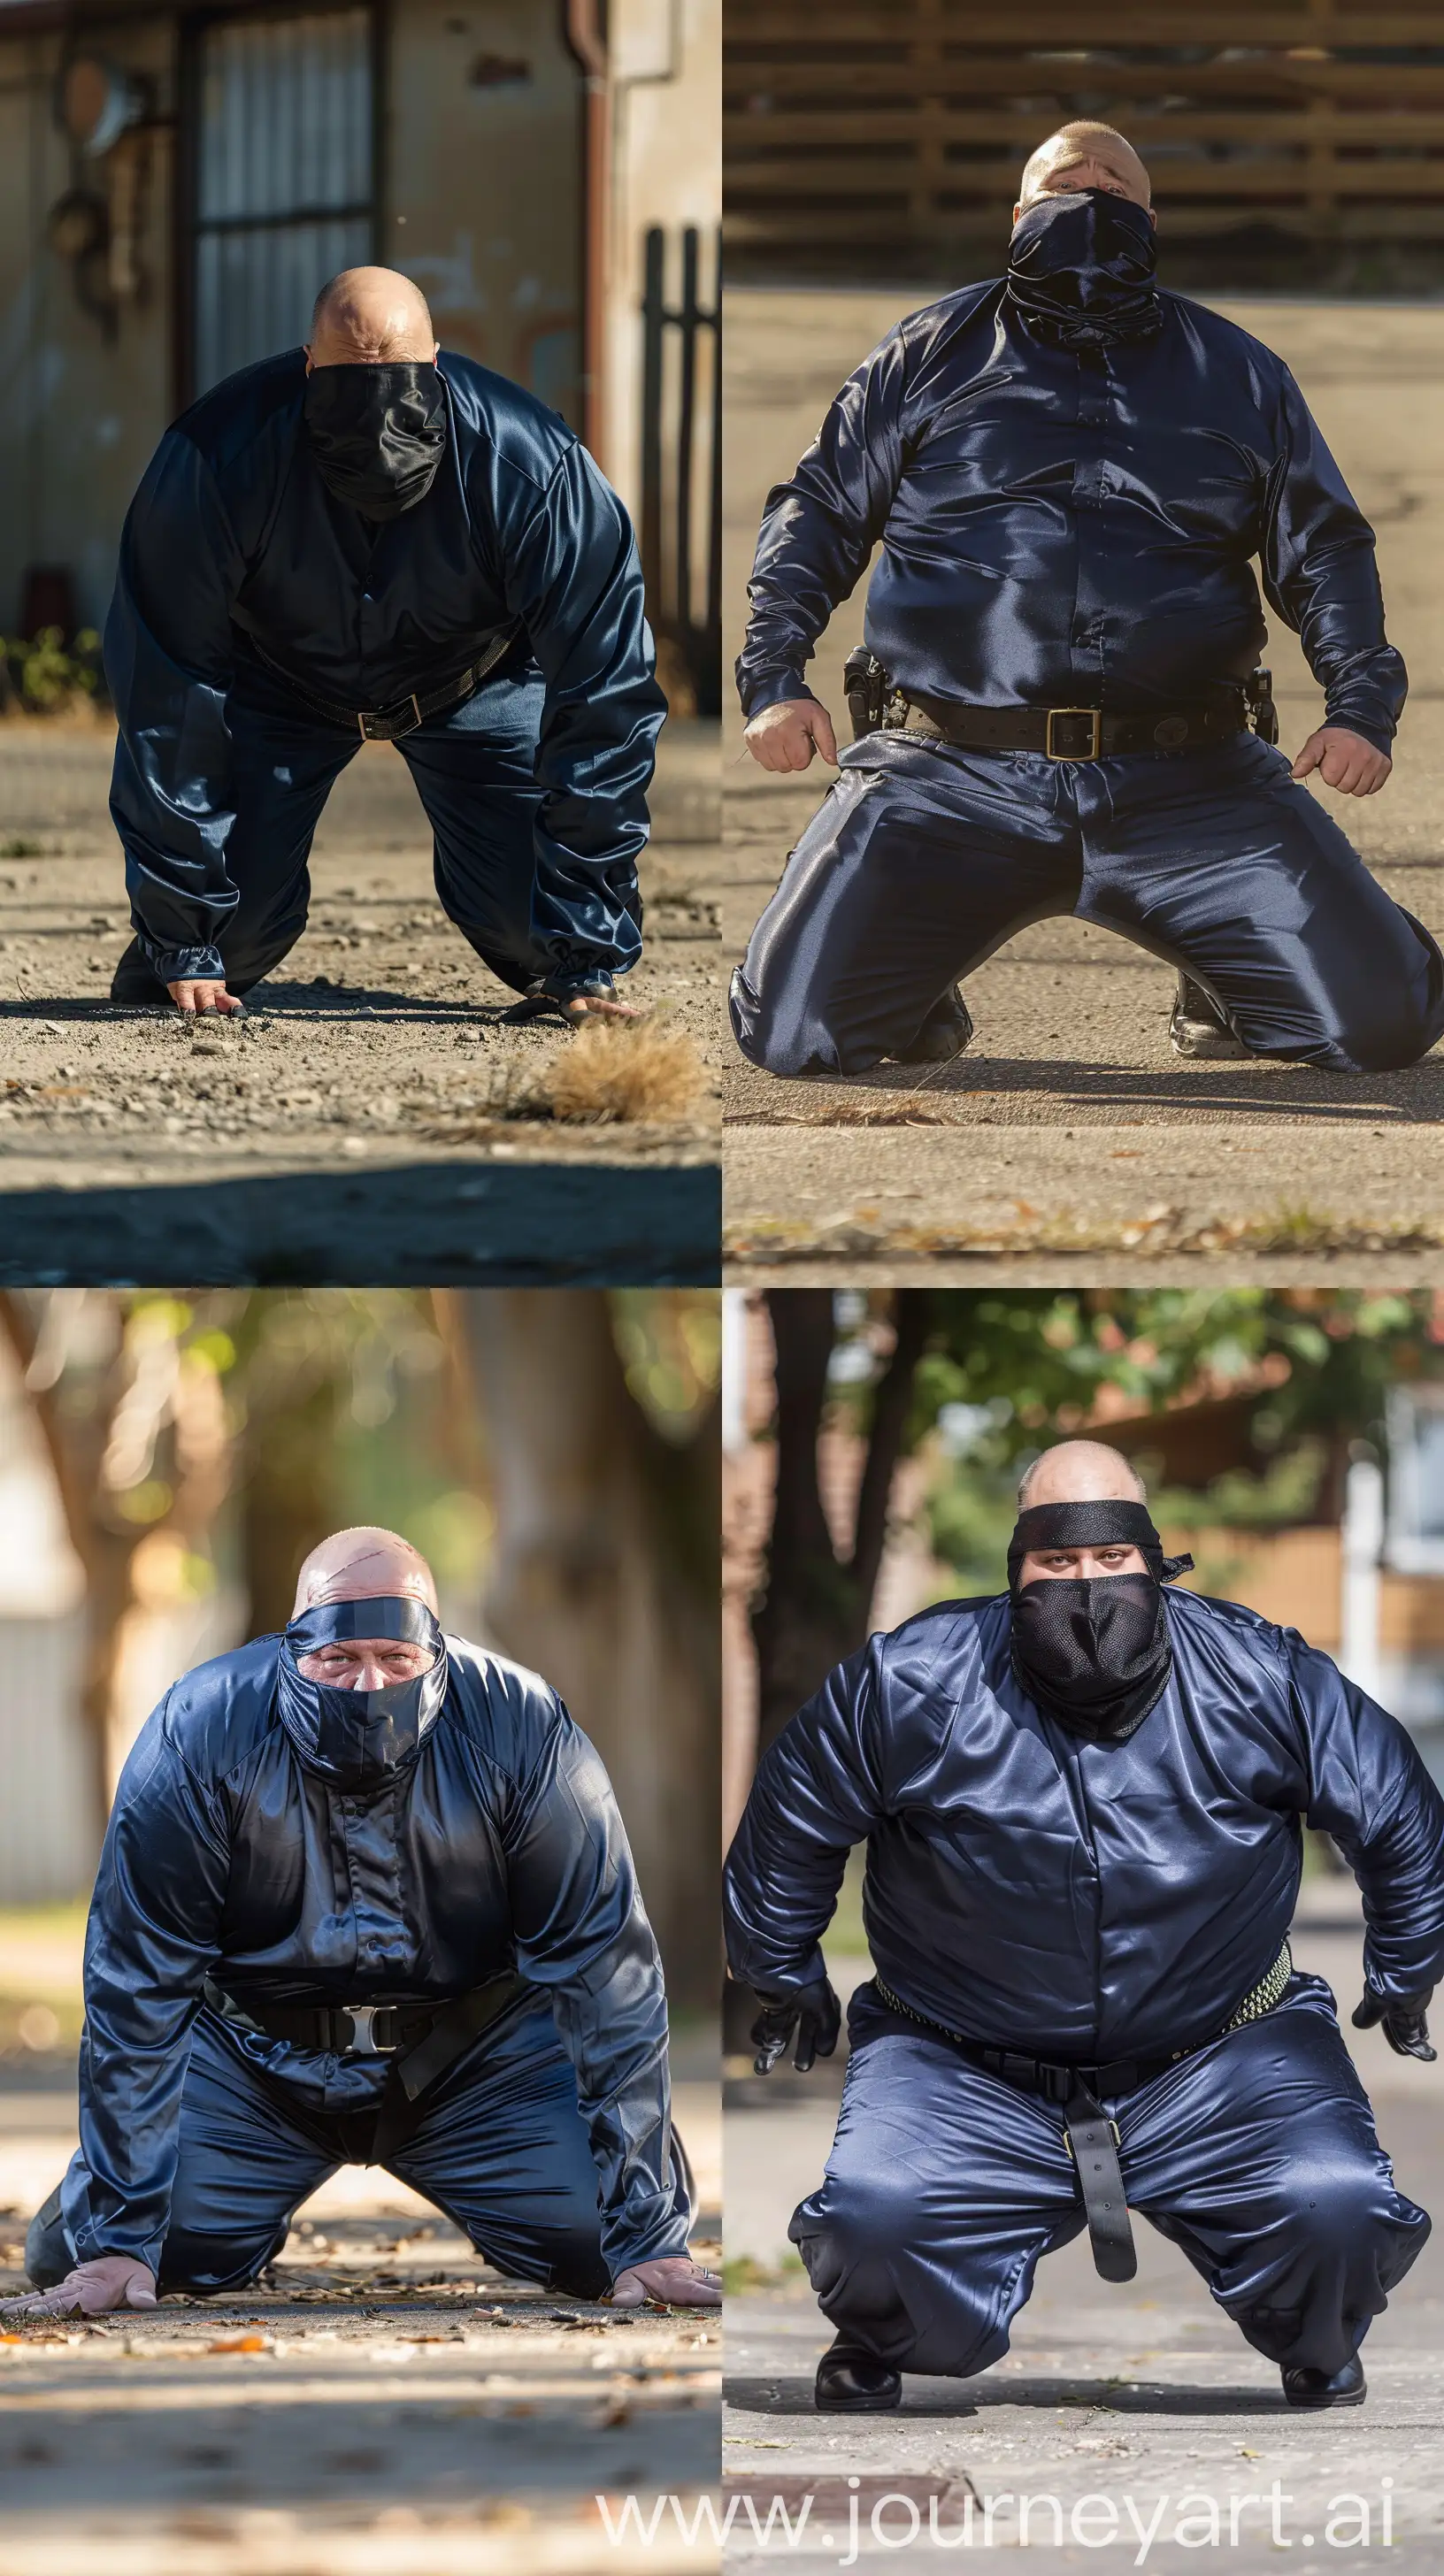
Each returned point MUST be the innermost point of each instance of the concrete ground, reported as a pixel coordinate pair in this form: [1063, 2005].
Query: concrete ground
[1068, 1140]
[369, 1118]
[381, 2404]
[1143, 2392]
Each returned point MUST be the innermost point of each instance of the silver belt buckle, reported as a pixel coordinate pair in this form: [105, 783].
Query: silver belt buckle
[364, 2043]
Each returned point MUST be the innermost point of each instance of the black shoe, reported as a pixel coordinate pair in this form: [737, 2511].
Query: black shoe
[47, 2247]
[1198, 1026]
[1316, 2388]
[135, 980]
[853, 2382]
[944, 1033]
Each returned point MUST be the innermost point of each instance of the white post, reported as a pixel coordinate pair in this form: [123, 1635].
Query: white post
[1363, 1540]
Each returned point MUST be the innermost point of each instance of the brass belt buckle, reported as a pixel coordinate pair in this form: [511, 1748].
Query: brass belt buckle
[1095, 739]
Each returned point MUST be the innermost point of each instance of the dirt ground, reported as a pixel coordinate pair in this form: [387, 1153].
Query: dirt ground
[1068, 1140]
[381, 2404]
[1144, 2392]
[368, 1119]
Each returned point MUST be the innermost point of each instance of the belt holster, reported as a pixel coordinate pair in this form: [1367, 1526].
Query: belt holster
[1258, 690]
[1093, 2145]
[867, 688]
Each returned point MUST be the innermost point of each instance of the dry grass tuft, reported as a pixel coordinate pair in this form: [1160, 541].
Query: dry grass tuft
[621, 1073]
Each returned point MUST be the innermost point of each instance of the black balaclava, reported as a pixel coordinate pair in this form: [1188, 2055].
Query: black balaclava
[1094, 1653]
[378, 434]
[1081, 270]
[356, 1738]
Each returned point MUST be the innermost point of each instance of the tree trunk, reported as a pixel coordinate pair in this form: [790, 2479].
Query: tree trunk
[605, 1581]
[815, 1605]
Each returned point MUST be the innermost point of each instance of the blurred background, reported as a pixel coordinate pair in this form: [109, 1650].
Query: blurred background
[167, 1461]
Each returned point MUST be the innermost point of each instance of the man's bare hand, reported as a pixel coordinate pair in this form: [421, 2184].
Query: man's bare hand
[193, 996]
[1344, 761]
[785, 736]
[602, 1006]
[93, 2289]
[674, 2278]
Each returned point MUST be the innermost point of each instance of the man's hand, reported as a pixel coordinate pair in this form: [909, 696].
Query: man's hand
[1405, 2027]
[784, 736]
[813, 2012]
[1343, 760]
[91, 2290]
[673, 2278]
[602, 1006]
[193, 996]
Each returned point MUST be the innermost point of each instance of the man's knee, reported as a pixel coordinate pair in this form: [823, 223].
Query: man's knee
[205, 2261]
[866, 2220]
[48, 2255]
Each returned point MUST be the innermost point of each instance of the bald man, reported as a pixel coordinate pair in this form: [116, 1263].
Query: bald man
[365, 1898]
[1060, 706]
[1082, 1804]
[373, 539]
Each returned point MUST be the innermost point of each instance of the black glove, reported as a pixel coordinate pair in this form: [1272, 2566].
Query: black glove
[812, 2011]
[1405, 2027]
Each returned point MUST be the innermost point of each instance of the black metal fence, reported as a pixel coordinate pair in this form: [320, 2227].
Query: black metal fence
[681, 535]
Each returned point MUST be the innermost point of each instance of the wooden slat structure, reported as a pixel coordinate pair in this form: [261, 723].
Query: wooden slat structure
[889, 134]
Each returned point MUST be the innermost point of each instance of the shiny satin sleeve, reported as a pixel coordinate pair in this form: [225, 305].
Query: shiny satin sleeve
[153, 1933]
[168, 644]
[582, 1934]
[1368, 1788]
[819, 529]
[569, 570]
[819, 1789]
[1320, 575]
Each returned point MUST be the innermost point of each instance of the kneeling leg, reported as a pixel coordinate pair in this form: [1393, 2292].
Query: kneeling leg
[1224, 866]
[1260, 2160]
[943, 2188]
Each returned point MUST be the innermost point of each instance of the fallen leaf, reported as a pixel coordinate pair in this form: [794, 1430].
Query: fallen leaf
[238, 2343]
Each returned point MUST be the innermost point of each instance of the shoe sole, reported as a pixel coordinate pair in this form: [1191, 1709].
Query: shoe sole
[856, 2405]
[1207, 1042]
[1321, 2405]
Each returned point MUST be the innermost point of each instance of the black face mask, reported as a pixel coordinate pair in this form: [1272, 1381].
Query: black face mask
[378, 434]
[1081, 270]
[1093, 1653]
[359, 1738]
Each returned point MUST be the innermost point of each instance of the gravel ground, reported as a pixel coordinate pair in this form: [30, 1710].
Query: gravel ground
[367, 1119]
[1144, 2392]
[1069, 1134]
[382, 2403]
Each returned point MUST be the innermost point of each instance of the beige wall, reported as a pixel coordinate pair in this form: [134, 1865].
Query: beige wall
[483, 184]
[79, 415]
[667, 170]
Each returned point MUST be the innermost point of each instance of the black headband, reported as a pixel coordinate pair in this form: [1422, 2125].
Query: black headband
[1108, 1524]
[390, 1614]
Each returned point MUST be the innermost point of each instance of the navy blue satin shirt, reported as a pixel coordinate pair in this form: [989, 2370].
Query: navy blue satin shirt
[1072, 527]
[1079, 1900]
[497, 1845]
[233, 536]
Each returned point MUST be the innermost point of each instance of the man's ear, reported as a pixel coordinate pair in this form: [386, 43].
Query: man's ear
[1018, 212]
[1153, 219]
[310, 361]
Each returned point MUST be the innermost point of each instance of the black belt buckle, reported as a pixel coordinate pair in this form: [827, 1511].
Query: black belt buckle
[375, 726]
[1091, 716]
[366, 2040]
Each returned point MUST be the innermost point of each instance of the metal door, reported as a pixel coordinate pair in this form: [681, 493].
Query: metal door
[282, 118]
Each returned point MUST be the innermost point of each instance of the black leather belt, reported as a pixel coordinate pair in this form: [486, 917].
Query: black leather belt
[1069, 733]
[424, 2039]
[389, 724]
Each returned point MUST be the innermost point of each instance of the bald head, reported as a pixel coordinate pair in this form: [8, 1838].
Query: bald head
[1084, 155]
[370, 317]
[364, 1565]
[1080, 1471]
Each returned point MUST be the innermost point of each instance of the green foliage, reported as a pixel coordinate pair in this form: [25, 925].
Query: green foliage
[44, 676]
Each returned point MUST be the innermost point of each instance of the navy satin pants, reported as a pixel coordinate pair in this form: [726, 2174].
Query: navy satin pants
[474, 769]
[924, 859]
[1257, 2157]
[501, 2148]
